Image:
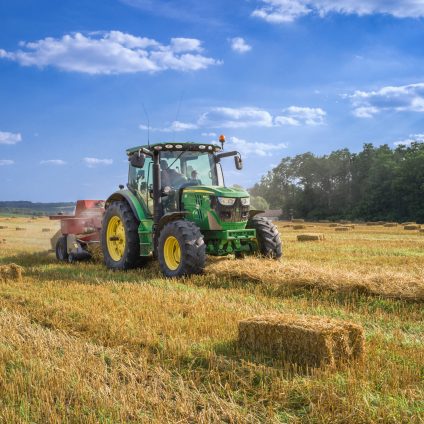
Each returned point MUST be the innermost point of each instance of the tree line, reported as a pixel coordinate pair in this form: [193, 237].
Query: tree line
[378, 183]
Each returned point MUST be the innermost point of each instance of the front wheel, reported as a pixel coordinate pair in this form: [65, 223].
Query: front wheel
[181, 249]
[268, 237]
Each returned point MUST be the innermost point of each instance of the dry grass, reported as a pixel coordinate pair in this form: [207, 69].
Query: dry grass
[79, 343]
[303, 339]
[310, 237]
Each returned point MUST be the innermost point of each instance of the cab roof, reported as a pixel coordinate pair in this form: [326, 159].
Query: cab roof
[168, 146]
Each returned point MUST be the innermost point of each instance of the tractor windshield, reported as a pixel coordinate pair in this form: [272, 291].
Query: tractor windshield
[180, 168]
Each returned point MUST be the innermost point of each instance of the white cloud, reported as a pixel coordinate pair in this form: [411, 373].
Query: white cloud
[296, 115]
[404, 98]
[413, 138]
[10, 138]
[226, 117]
[58, 162]
[92, 162]
[176, 126]
[209, 134]
[283, 11]
[5, 162]
[239, 45]
[112, 52]
[260, 149]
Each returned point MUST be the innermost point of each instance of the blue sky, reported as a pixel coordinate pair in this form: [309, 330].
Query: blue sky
[277, 77]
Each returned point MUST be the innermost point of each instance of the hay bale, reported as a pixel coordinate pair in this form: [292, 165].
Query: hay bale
[412, 227]
[20, 229]
[422, 230]
[342, 228]
[287, 226]
[299, 227]
[343, 221]
[45, 230]
[302, 339]
[3, 227]
[324, 221]
[297, 221]
[408, 223]
[390, 224]
[96, 252]
[310, 237]
[333, 225]
[11, 272]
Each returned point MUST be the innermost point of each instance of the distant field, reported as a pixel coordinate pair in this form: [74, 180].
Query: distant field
[79, 343]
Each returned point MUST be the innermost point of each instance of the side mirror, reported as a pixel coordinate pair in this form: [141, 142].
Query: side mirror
[137, 160]
[238, 162]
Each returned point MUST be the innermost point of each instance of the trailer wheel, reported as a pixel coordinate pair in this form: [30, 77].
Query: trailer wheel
[120, 240]
[62, 249]
[181, 249]
[268, 237]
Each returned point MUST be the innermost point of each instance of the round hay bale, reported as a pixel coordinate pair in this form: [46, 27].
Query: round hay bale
[342, 228]
[310, 237]
[299, 227]
[411, 227]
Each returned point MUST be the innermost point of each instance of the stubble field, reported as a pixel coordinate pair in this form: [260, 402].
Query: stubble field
[79, 343]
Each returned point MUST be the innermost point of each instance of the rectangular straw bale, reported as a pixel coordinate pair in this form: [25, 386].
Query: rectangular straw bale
[342, 228]
[324, 221]
[45, 230]
[297, 221]
[333, 225]
[310, 237]
[3, 227]
[344, 221]
[20, 229]
[302, 339]
[11, 272]
[391, 224]
[422, 230]
[299, 227]
[412, 227]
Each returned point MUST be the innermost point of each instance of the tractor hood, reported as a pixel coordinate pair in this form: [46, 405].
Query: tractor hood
[217, 191]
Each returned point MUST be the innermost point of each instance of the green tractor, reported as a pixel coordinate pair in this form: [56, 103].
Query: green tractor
[177, 208]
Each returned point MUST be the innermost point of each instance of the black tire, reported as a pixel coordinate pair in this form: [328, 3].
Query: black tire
[61, 249]
[268, 237]
[131, 255]
[192, 248]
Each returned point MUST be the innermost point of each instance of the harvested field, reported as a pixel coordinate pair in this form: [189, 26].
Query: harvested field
[310, 237]
[79, 343]
[305, 340]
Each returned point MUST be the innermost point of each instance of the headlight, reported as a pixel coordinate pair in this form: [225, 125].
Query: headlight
[245, 201]
[226, 201]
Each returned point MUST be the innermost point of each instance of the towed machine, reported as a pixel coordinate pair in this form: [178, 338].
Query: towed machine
[177, 209]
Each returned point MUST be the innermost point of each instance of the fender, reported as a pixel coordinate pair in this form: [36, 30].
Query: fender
[254, 212]
[169, 217]
[131, 199]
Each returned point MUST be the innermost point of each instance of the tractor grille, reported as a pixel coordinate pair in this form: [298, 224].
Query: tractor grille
[235, 213]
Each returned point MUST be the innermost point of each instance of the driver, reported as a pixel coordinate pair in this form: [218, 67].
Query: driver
[195, 178]
[170, 177]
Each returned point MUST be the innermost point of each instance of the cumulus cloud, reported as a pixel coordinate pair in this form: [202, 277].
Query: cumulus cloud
[5, 162]
[93, 162]
[283, 11]
[209, 134]
[57, 162]
[227, 117]
[239, 45]
[258, 148]
[112, 52]
[10, 138]
[404, 98]
[413, 138]
[176, 126]
[296, 115]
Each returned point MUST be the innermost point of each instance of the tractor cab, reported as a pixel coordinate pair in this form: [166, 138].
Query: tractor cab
[177, 207]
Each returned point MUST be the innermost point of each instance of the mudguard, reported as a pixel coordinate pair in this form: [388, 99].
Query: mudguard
[131, 199]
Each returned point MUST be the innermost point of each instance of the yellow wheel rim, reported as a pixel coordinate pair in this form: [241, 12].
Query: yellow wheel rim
[172, 253]
[115, 235]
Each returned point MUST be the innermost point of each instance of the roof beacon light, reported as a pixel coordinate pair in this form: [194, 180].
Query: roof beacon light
[222, 140]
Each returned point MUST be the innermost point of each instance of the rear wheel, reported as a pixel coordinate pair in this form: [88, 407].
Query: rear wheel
[268, 237]
[120, 240]
[62, 249]
[181, 249]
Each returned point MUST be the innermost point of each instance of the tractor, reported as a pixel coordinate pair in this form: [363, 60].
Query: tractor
[177, 209]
